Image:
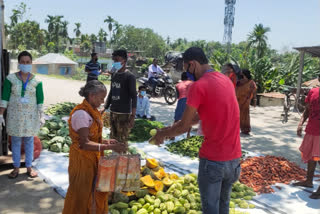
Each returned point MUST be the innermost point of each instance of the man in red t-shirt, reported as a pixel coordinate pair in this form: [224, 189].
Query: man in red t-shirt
[211, 99]
[310, 147]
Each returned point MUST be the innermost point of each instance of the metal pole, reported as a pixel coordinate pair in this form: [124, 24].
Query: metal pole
[300, 77]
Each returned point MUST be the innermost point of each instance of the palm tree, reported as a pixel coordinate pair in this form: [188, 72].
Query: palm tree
[258, 39]
[77, 29]
[102, 35]
[110, 22]
[51, 21]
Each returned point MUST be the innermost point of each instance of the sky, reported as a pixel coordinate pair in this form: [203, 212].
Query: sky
[293, 23]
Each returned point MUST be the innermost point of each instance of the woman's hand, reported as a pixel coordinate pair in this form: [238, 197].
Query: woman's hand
[118, 147]
[110, 141]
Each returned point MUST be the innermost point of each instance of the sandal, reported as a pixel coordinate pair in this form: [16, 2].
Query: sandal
[13, 174]
[32, 174]
[315, 195]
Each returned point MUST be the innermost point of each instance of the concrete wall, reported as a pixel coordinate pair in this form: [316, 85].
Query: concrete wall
[56, 69]
[270, 101]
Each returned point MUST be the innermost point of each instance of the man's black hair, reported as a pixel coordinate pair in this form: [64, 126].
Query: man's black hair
[93, 54]
[142, 87]
[24, 53]
[184, 76]
[121, 53]
[195, 53]
[247, 73]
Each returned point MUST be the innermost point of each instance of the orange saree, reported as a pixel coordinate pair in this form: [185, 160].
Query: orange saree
[244, 94]
[82, 198]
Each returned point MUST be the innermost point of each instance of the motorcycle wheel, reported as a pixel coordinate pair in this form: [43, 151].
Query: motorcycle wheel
[170, 95]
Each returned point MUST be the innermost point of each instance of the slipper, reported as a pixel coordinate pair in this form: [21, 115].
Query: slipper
[315, 195]
[302, 184]
[32, 174]
[14, 174]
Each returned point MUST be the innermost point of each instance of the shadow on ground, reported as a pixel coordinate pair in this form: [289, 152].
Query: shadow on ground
[26, 195]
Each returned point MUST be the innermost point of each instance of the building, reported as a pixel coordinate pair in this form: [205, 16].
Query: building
[53, 63]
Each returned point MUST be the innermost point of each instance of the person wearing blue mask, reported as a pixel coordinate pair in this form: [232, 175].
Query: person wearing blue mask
[143, 104]
[122, 98]
[22, 97]
[93, 68]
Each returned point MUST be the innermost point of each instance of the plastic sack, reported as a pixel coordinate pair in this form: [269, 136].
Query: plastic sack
[118, 173]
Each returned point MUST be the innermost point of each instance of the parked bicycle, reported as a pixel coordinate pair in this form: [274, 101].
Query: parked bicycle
[292, 103]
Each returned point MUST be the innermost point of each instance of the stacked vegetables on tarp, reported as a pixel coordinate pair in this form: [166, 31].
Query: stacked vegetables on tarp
[141, 130]
[54, 135]
[164, 193]
[260, 173]
[189, 147]
[60, 109]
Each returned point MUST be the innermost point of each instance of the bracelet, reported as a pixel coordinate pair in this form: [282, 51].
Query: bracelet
[99, 147]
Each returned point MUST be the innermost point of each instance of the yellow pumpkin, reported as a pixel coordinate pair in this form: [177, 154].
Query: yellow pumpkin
[160, 173]
[152, 163]
[147, 181]
[158, 186]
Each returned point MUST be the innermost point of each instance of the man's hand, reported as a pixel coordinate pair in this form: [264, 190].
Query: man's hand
[131, 121]
[299, 131]
[158, 138]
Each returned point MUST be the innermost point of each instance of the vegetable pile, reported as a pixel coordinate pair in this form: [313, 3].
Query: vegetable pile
[260, 173]
[142, 128]
[163, 193]
[190, 147]
[186, 147]
[60, 109]
[54, 135]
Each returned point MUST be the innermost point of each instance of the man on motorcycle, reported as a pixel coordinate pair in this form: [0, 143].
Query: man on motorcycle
[153, 71]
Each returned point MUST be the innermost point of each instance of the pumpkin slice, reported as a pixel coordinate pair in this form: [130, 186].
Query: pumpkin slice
[152, 163]
[159, 174]
[152, 191]
[173, 176]
[166, 181]
[158, 186]
[147, 181]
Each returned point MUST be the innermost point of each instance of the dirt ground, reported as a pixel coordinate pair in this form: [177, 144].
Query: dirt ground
[269, 137]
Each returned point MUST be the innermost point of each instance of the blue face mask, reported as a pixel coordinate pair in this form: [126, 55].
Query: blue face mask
[116, 67]
[143, 93]
[25, 68]
[190, 75]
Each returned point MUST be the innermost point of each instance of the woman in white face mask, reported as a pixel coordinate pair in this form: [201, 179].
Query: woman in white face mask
[22, 96]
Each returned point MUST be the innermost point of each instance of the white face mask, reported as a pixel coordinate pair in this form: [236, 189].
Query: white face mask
[25, 68]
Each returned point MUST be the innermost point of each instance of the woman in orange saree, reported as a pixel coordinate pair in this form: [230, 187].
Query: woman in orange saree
[85, 126]
[246, 91]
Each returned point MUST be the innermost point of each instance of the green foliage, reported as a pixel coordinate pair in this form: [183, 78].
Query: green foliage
[186, 147]
[141, 130]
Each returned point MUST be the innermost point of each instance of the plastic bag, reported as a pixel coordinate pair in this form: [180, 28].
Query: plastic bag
[118, 173]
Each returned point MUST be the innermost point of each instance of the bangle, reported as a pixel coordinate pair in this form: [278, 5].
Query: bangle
[99, 147]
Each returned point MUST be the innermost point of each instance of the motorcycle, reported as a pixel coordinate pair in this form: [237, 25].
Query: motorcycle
[165, 87]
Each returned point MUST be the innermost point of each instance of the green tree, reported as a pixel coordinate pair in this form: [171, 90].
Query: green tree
[77, 31]
[110, 21]
[102, 35]
[258, 39]
[57, 31]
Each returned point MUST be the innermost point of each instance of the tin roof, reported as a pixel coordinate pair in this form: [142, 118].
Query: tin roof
[54, 58]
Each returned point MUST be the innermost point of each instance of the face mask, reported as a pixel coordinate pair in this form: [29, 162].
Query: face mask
[143, 93]
[96, 59]
[190, 75]
[116, 67]
[25, 68]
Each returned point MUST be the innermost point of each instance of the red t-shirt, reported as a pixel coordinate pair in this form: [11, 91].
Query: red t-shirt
[213, 95]
[313, 126]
